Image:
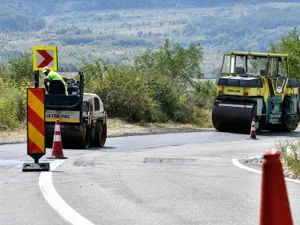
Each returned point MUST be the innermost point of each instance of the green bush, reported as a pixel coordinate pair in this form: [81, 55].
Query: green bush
[17, 69]
[171, 72]
[175, 101]
[123, 92]
[10, 101]
[290, 153]
[160, 87]
[125, 95]
[205, 93]
[15, 76]
[290, 44]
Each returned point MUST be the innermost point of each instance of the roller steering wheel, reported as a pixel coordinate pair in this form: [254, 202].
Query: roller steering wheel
[72, 82]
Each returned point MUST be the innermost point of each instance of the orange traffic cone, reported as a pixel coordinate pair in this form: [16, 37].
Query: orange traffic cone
[274, 208]
[253, 130]
[57, 152]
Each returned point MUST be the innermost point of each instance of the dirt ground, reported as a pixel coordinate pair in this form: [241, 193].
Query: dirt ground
[115, 128]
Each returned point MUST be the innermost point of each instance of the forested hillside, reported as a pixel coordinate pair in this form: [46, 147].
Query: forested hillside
[59, 6]
[14, 20]
[115, 30]
[18, 15]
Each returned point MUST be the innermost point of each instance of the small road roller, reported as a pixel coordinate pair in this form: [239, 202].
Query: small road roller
[83, 119]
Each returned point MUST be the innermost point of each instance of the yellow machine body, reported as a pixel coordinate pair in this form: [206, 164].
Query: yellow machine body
[255, 86]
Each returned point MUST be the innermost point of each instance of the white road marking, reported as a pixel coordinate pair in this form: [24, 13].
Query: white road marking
[241, 166]
[55, 201]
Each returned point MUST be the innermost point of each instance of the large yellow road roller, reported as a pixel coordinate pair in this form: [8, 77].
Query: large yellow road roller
[255, 86]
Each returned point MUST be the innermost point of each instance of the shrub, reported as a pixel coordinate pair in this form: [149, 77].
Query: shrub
[123, 92]
[205, 93]
[290, 153]
[17, 69]
[10, 99]
[175, 101]
[159, 87]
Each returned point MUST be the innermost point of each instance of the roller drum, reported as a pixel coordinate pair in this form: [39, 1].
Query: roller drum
[234, 117]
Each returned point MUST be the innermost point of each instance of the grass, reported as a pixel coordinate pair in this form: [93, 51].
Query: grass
[290, 154]
[15, 135]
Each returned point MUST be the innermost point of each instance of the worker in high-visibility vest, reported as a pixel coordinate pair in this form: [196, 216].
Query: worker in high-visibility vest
[52, 75]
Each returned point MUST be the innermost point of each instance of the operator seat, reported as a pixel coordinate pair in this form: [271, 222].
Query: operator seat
[263, 72]
[57, 87]
[239, 70]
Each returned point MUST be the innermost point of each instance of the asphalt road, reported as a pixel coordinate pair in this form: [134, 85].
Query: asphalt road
[185, 178]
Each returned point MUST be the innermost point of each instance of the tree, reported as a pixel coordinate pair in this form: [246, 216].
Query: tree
[174, 61]
[94, 71]
[159, 87]
[290, 44]
[18, 68]
[171, 73]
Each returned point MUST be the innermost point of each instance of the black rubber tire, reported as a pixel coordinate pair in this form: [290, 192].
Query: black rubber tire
[290, 123]
[85, 140]
[103, 136]
[100, 135]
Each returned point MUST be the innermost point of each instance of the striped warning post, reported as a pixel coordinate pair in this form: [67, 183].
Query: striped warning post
[253, 130]
[35, 122]
[57, 133]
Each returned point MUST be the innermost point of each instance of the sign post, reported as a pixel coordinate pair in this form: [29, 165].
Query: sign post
[36, 129]
[36, 78]
[42, 56]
